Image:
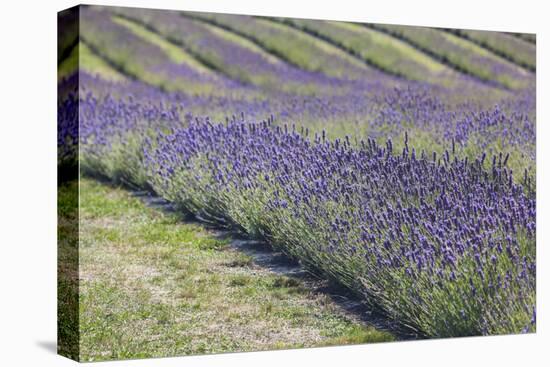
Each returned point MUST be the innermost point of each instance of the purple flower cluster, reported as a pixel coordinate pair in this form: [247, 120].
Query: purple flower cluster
[111, 134]
[67, 123]
[67, 131]
[508, 125]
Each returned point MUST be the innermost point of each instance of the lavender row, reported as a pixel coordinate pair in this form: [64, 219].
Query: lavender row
[441, 244]
[425, 112]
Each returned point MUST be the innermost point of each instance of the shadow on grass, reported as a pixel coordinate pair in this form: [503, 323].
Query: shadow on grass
[269, 258]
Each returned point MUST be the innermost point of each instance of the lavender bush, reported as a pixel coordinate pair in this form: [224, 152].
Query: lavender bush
[442, 244]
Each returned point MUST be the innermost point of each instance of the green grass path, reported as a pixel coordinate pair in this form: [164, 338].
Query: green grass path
[152, 285]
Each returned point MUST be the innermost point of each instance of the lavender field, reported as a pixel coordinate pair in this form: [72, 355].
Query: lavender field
[396, 162]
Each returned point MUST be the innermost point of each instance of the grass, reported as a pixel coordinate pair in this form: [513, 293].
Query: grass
[69, 65]
[154, 286]
[67, 269]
